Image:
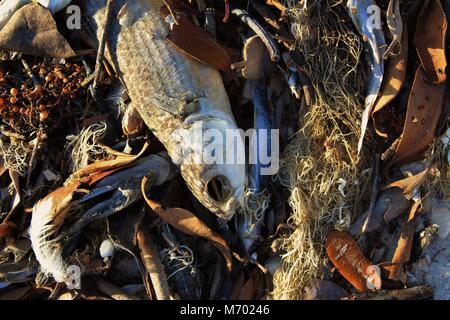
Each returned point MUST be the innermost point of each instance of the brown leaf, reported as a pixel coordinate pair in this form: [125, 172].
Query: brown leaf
[187, 222]
[277, 4]
[408, 184]
[403, 251]
[393, 80]
[198, 43]
[424, 109]
[348, 258]
[429, 41]
[32, 30]
[107, 165]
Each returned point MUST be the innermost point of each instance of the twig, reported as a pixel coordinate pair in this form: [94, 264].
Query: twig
[29, 72]
[102, 46]
[415, 293]
[374, 194]
[259, 30]
[152, 263]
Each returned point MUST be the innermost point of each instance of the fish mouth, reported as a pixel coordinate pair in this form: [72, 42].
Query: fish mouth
[224, 197]
[219, 188]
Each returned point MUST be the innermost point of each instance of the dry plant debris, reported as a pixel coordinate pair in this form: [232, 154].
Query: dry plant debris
[95, 204]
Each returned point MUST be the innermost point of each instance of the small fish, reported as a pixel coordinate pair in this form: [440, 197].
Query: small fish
[361, 12]
[176, 96]
[250, 222]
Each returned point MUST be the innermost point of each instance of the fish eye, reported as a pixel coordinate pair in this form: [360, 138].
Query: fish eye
[219, 188]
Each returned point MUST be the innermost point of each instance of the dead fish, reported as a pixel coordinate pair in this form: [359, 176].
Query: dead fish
[176, 97]
[57, 208]
[361, 12]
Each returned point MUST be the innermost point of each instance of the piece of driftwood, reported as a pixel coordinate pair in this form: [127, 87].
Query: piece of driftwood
[415, 293]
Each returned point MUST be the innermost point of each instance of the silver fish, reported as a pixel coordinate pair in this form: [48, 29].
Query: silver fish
[361, 12]
[175, 96]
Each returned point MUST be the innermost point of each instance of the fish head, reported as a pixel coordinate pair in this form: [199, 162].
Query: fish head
[211, 156]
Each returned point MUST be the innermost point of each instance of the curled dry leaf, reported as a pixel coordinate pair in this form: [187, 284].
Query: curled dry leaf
[107, 165]
[187, 222]
[429, 40]
[403, 251]
[348, 258]
[393, 80]
[32, 30]
[277, 4]
[408, 184]
[197, 43]
[424, 109]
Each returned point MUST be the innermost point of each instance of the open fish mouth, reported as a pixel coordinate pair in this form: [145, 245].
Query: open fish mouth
[211, 155]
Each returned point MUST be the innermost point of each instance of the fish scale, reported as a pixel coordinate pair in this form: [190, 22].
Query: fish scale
[172, 92]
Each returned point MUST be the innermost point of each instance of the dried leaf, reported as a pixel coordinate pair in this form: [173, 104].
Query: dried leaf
[187, 222]
[348, 258]
[403, 251]
[429, 41]
[424, 109]
[32, 30]
[198, 43]
[408, 184]
[393, 80]
[277, 4]
[107, 165]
